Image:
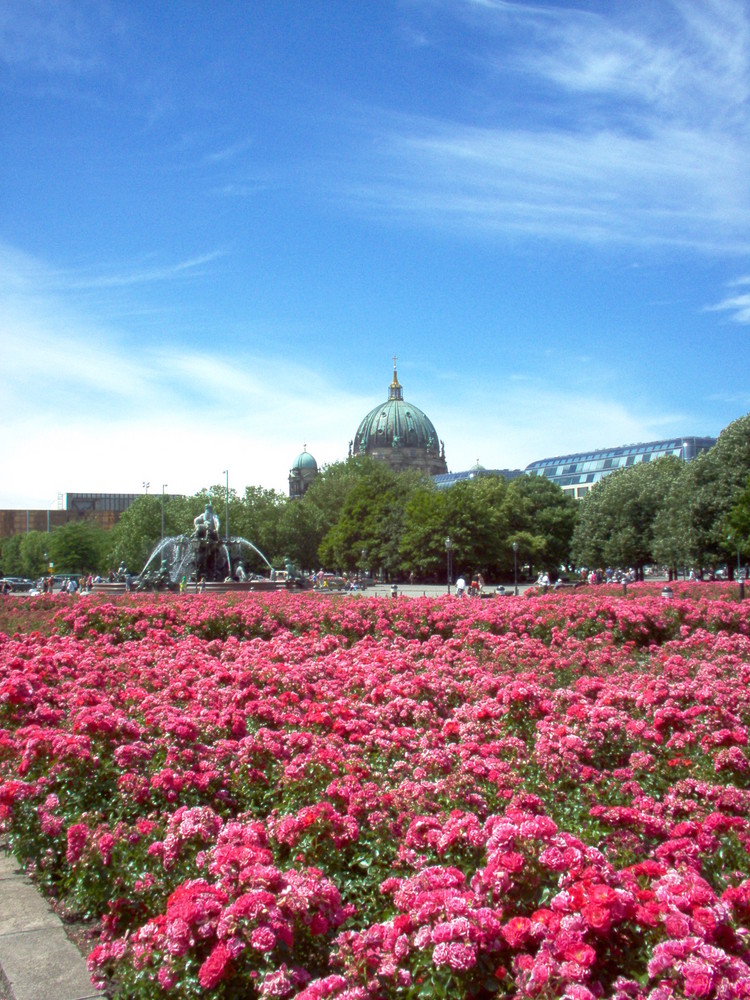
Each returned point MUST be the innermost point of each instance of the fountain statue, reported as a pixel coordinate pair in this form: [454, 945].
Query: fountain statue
[202, 557]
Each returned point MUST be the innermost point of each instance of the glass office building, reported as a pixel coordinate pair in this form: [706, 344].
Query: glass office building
[577, 473]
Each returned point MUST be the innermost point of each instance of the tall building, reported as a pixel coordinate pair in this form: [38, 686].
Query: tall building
[400, 434]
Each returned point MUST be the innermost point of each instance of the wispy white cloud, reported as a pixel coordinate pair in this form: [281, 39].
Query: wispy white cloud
[63, 37]
[637, 135]
[20, 272]
[737, 304]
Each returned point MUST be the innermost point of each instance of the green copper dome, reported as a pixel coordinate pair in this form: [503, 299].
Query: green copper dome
[400, 433]
[305, 461]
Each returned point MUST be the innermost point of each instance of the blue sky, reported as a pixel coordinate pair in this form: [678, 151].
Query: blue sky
[220, 221]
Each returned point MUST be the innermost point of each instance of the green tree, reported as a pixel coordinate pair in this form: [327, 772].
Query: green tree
[371, 519]
[78, 547]
[617, 522]
[258, 519]
[541, 518]
[35, 553]
[694, 528]
[422, 543]
[300, 534]
[11, 561]
[477, 524]
[738, 520]
[330, 488]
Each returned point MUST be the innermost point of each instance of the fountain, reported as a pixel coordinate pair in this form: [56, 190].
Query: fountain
[204, 558]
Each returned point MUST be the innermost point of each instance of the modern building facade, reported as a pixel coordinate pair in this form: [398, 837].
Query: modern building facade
[577, 473]
[102, 508]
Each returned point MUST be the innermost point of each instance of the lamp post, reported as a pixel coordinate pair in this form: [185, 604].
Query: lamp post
[449, 560]
[226, 522]
[740, 581]
[145, 487]
[163, 487]
[515, 569]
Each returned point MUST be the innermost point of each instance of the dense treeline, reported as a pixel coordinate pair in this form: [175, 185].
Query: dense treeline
[360, 515]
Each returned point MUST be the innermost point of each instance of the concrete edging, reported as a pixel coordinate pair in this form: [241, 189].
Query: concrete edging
[37, 959]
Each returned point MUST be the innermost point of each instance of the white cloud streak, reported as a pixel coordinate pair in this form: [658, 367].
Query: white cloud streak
[643, 137]
[736, 304]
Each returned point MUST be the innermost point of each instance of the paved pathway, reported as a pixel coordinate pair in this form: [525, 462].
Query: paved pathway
[37, 960]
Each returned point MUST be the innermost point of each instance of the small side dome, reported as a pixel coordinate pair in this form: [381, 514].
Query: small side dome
[302, 473]
[305, 462]
[476, 470]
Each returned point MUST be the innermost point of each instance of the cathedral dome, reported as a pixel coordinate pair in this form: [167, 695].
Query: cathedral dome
[401, 434]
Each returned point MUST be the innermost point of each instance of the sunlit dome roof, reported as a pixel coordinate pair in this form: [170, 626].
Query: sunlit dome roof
[305, 461]
[395, 424]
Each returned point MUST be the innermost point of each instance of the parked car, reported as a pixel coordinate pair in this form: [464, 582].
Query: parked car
[18, 584]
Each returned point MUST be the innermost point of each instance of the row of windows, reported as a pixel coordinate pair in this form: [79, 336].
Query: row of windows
[117, 502]
[617, 457]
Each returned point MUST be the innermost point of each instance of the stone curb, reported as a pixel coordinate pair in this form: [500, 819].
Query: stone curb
[37, 960]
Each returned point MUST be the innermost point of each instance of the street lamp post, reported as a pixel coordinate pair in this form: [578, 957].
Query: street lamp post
[515, 569]
[226, 522]
[163, 487]
[449, 560]
[740, 581]
[145, 487]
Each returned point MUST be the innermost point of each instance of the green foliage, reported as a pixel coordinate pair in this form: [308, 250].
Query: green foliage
[24, 555]
[425, 529]
[371, 519]
[474, 512]
[617, 518]
[78, 547]
[35, 552]
[300, 533]
[695, 526]
[542, 519]
[10, 556]
[738, 520]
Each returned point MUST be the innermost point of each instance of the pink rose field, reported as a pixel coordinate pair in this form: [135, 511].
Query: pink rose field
[314, 797]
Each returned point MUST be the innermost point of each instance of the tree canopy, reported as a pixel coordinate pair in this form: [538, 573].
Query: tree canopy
[616, 518]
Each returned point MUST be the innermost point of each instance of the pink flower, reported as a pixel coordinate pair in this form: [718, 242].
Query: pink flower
[77, 836]
[215, 967]
[699, 979]
[516, 931]
[263, 939]
[455, 954]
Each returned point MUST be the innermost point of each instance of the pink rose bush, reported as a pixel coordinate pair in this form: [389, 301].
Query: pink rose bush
[314, 797]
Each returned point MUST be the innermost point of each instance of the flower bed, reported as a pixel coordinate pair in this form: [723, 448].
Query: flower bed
[314, 797]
